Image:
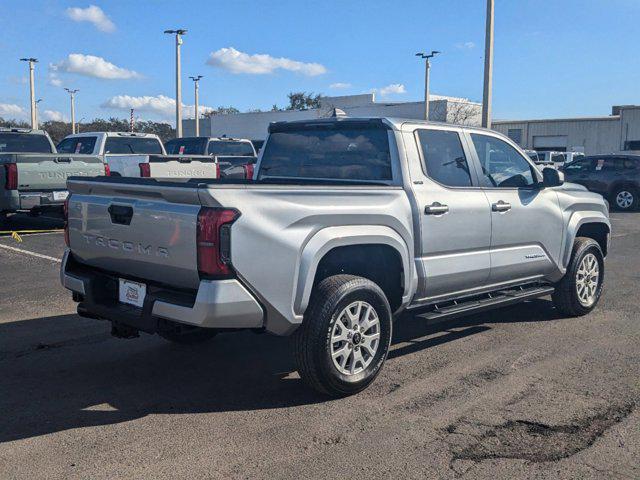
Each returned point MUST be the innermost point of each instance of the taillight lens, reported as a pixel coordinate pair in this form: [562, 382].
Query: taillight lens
[11, 176]
[217, 170]
[248, 171]
[145, 170]
[107, 170]
[65, 210]
[214, 241]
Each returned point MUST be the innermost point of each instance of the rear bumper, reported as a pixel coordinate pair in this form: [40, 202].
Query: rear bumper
[223, 304]
[14, 201]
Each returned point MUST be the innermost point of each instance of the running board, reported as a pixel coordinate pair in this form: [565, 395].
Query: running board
[501, 298]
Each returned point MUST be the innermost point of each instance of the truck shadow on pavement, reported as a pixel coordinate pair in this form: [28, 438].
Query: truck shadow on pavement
[91, 380]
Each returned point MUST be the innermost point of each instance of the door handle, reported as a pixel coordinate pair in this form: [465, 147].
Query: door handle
[501, 206]
[436, 208]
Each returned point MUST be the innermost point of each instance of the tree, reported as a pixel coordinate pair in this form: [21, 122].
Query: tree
[303, 100]
[221, 111]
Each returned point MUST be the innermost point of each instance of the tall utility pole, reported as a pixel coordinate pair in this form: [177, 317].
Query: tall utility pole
[32, 65]
[72, 94]
[488, 67]
[37, 115]
[178, 33]
[427, 68]
[196, 81]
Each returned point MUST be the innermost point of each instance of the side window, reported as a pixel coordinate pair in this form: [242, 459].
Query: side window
[502, 165]
[82, 145]
[582, 165]
[444, 159]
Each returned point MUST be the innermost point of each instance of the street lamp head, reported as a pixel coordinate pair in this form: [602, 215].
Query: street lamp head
[195, 79]
[30, 59]
[71, 91]
[179, 31]
[434, 52]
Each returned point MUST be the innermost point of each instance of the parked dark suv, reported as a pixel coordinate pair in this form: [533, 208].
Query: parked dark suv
[616, 177]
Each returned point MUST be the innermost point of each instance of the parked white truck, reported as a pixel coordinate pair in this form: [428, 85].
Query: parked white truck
[129, 154]
[347, 223]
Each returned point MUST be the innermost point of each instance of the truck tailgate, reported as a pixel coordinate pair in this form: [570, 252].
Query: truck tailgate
[144, 228]
[44, 172]
[163, 166]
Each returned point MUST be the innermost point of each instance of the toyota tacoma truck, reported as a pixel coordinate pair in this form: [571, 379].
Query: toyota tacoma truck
[347, 223]
[33, 176]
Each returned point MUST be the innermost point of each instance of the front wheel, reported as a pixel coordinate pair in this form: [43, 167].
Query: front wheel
[581, 287]
[344, 339]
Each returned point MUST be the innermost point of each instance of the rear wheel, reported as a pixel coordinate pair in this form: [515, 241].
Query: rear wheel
[344, 339]
[581, 287]
[625, 198]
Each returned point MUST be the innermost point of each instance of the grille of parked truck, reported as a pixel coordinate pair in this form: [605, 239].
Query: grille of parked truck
[348, 223]
[33, 175]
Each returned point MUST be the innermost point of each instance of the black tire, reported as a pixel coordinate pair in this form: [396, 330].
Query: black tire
[626, 191]
[312, 341]
[565, 298]
[192, 336]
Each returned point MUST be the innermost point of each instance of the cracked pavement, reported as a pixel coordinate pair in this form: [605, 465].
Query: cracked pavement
[515, 393]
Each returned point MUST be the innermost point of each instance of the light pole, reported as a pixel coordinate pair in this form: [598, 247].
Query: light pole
[427, 68]
[72, 94]
[37, 119]
[196, 81]
[178, 33]
[32, 65]
[488, 67]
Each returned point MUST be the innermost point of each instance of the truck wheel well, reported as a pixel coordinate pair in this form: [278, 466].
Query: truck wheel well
[597, 231]
[381, 264]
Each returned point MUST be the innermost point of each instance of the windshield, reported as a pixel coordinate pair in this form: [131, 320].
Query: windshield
[24, 143]
[186, 146]
[231, 148]
[342, 152]
[128, 145]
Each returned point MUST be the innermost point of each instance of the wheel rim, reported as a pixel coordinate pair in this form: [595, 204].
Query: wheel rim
[624, 199]
[588, 280]
[355, 338]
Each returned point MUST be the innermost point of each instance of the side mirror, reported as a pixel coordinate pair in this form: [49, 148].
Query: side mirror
[552, 177]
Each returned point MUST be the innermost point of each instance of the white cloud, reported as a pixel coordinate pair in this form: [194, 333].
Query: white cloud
[94, 15]
[11, 111]
[54, 79]
[339, 86]
[259, 64]
[161, 105]
[392, 89]
[53, 115]
[465, 45]
[92, 66]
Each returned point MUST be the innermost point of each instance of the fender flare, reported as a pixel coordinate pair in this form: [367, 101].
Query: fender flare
[575, 222]
[331, 237]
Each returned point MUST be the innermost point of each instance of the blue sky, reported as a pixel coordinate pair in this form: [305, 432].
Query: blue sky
[552, 58]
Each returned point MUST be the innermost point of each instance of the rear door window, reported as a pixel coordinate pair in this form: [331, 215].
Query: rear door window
[132, 145]
[444, 158]
[328, 151]
[83, 145]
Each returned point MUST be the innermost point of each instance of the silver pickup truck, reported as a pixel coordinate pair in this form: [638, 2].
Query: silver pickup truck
[33, 177]
[347, 223]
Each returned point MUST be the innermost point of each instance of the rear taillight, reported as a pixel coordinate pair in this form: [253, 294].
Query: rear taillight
[248, 171]
[214, 241]
[11, 176]
[145, 170]
[65, 210]
[107, 170]
[217, 170]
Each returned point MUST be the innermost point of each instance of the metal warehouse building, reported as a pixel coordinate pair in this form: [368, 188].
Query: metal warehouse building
[619, 132]
[254, 125]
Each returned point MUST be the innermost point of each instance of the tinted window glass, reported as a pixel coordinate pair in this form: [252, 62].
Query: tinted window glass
[130, 145]
[580, 165]
[77, 145]
[444, 158]
[342, 152]
[502, 165]
[231, 148]
[24, 143]
[186, 146]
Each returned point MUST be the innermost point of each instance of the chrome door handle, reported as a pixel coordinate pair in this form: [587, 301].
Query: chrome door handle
[436, 208]
[501, 206]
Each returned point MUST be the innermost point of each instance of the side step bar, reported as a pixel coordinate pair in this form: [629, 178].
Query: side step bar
[501, 298]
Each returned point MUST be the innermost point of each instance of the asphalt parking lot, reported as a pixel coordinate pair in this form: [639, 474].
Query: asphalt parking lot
[513, 393]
